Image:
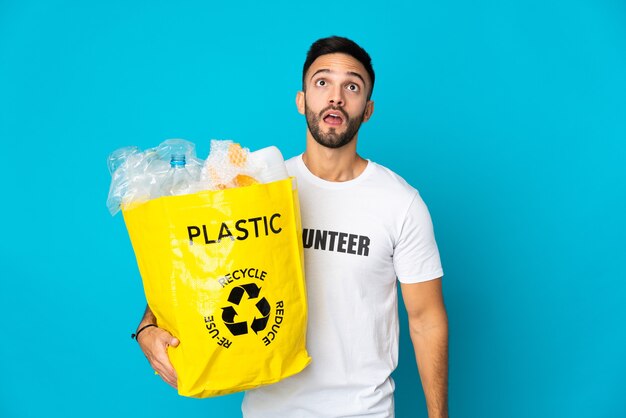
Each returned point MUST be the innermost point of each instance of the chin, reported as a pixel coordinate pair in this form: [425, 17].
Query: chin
[332, 144]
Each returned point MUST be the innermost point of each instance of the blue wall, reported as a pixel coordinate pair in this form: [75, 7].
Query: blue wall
[509, 117]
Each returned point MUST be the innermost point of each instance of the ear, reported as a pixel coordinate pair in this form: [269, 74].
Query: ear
[300, 102]
[369, 109]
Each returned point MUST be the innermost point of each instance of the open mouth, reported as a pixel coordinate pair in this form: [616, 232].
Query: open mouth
[333, 118]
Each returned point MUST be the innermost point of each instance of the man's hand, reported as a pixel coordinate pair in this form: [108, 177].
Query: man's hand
[154, 342]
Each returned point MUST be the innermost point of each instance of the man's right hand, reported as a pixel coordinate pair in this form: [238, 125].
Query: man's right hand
[154, 342]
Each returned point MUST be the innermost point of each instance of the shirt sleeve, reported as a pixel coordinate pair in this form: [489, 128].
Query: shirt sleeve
[416, 256]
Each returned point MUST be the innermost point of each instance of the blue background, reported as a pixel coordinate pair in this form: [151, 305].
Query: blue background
[509, 117]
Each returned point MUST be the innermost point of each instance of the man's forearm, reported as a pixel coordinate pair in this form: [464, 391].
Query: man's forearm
[148, 317]
[430, 341]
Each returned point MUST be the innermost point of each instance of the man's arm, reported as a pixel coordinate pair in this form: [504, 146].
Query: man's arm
[428, 324]
[154, 342]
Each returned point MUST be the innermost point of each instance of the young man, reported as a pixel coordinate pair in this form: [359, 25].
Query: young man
[375, 228]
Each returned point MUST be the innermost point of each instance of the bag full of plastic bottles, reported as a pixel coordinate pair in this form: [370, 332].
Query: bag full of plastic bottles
[219, 249]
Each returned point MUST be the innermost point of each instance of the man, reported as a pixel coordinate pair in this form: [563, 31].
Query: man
[353, 318]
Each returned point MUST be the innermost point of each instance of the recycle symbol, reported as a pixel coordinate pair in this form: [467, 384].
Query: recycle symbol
[229, 313]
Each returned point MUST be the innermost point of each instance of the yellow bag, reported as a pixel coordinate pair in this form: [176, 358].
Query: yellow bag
[223, 272]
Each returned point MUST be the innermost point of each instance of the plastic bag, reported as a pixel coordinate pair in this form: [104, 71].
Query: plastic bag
[223, 272]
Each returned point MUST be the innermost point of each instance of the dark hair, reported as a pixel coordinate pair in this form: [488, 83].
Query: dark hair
[337, 44]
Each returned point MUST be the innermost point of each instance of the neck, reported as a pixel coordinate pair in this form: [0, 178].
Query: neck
[333, 164]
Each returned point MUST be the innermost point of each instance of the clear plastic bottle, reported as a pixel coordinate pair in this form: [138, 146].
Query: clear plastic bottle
[156, 171]
[121, 163]
[178, 180]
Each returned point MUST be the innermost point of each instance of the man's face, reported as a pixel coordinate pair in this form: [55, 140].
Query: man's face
[335, 99]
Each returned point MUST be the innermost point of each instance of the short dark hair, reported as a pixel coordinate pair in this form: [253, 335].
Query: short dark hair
[338, 44]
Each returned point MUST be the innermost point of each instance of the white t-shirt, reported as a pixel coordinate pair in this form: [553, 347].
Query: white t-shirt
[359, 235]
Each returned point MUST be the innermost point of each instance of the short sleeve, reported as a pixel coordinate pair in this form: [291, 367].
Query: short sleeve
[416, 256]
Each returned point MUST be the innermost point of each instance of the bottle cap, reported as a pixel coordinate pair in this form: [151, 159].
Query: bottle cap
[177, 160]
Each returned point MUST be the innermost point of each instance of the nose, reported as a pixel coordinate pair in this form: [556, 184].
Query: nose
[336, 96]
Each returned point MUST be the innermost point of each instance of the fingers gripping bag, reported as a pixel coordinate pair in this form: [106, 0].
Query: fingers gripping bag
[223, 272]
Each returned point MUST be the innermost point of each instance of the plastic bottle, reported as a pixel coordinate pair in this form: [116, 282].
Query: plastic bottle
[156, 170]
[118, 157]
[122, 165]
[178, 180]
[272, 164]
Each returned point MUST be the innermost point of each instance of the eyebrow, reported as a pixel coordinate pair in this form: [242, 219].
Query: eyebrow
[326, 70]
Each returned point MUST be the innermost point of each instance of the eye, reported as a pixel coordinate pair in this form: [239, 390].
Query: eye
[353, 87]
[320, 82]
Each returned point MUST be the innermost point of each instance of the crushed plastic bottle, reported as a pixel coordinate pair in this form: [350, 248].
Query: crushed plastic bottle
[121, 163]
[177, 181]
